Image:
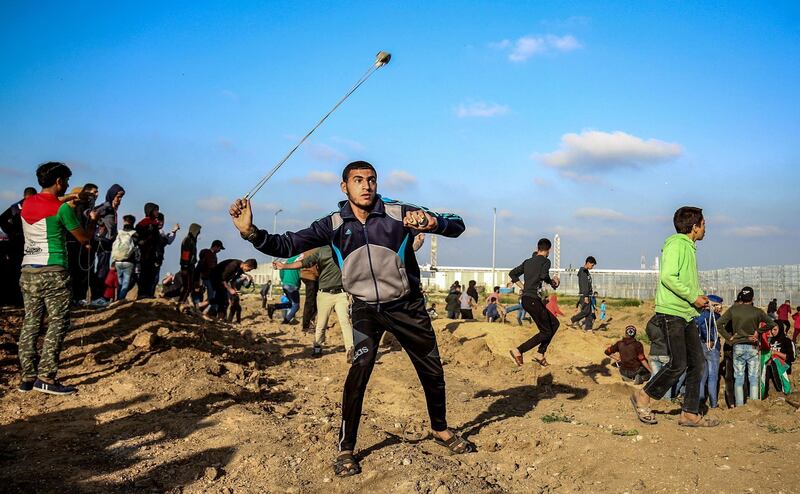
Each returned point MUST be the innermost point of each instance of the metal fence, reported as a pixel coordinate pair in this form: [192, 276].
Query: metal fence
[780, 282]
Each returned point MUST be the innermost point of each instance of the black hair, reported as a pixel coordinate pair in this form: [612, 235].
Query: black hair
[591, 260]
[544, 244]
[29, 191]
[496, 289]
[687, 217]
[356, 165]
[48, 173]
[89, 186]
[251, 262]
[129, 218]
[472, 282]
[160, 216]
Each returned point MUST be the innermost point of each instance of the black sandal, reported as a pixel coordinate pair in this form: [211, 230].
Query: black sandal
[346, 465]
[456, 444]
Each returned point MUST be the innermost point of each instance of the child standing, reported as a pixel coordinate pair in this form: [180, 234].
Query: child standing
[796, 317]
[603, 310]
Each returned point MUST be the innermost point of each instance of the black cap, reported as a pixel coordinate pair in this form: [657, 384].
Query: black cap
[218, 243]
[746, 294]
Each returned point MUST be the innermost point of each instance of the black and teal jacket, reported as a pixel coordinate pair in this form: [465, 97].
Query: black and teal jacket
[376, 258]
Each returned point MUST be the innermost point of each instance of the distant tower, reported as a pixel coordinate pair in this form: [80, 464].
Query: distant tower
[434, 250]
[655, 264]
[643, 263]
[557, 241]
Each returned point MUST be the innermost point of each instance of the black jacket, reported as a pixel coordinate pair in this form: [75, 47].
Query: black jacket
[584, 282]
[535, 270]
[376, 258]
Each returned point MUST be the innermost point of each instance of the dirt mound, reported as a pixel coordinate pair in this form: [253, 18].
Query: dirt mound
[171, 402]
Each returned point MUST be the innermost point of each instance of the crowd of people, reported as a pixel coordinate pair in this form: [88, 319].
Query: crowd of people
[65, 250]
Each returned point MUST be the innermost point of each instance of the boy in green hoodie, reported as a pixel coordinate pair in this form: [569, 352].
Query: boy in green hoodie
[678, 297]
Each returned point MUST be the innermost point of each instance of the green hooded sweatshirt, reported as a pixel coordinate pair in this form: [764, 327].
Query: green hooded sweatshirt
[678, 282]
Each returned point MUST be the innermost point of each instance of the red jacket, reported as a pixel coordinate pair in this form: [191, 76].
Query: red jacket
[112, 284]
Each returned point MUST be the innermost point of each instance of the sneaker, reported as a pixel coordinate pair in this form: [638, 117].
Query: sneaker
[25, 386]
[270, 310]
[316, 351]
[54, 389]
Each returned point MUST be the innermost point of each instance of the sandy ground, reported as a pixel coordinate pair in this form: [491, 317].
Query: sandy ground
[172, 403]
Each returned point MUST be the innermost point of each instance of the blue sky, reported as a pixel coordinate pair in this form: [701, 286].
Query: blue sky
[593, 120]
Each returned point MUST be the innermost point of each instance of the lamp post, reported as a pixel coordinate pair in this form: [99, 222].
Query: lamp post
[494, 242]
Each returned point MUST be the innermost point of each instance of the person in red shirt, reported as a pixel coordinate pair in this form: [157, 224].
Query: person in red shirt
[783, 317]
[796, 317]
[552, 305]
[632, 363]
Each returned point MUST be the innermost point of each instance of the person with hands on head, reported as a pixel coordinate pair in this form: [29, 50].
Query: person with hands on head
[372, 242]
[678, 298]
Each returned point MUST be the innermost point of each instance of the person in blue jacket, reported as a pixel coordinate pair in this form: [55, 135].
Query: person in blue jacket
[372, 239]
[707, 324]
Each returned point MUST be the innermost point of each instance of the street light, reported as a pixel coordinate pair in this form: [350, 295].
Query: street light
[494, 241]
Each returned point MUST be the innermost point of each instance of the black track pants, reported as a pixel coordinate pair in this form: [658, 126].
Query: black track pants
[411, 326]
[545, 321]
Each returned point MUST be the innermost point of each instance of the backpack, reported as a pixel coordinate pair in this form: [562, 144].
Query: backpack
[122, 250]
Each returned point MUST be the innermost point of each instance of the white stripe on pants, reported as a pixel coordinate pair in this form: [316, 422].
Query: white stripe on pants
[326, 303]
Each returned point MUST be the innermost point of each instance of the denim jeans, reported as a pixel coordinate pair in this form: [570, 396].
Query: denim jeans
[657, 362]
[686, 354]
[124, 273]
[745, 356]
[520, 312]
[293, 294]
[710, 379]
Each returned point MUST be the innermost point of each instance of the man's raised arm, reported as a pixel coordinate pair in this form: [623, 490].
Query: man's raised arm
[286, 245]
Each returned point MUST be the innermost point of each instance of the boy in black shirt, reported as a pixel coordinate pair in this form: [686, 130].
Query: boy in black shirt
[536, 270]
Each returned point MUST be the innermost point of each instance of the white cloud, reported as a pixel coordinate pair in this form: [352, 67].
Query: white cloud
[597, 150]
[323, 152]
[505, 214]
[9, 195]
[541, 182]
[527, 46]
[214, 203]
[399, 180]
[755, 231]
[480, 109]
[318, 177]
[600, 213]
